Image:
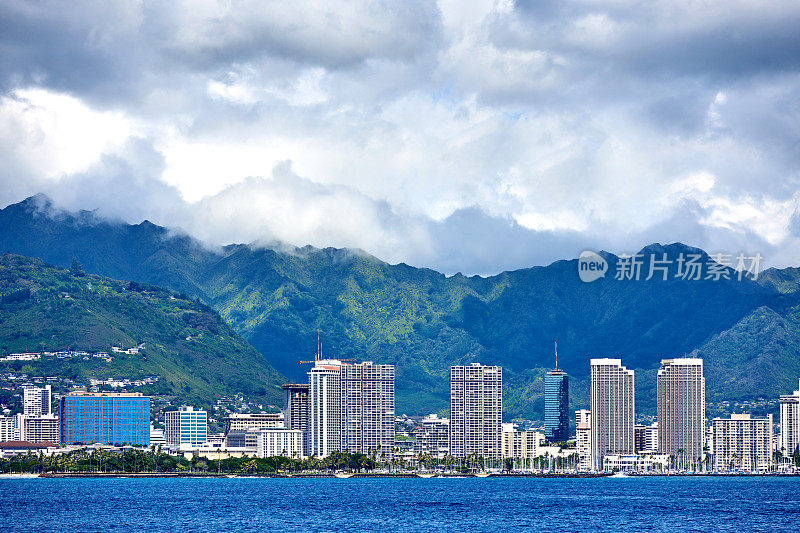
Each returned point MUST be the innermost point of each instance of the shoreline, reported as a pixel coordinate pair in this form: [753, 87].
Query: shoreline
[363, 475]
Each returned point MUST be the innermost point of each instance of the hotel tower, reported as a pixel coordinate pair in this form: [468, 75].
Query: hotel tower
[612, 410]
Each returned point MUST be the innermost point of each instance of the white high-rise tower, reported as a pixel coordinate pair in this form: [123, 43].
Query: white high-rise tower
[476, 411]
[681, 409]
[790, 424]
[612, 410]
[368, 409]
[37, 401]
[325, 407]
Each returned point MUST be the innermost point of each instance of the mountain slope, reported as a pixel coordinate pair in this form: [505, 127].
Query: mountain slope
[420, 320]
[194, 353]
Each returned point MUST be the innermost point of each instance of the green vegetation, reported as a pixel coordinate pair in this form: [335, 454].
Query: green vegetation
[152, 460]
[422, 321]
[193, 352]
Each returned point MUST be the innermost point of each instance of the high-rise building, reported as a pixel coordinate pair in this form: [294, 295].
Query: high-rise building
[245, 421]
[612, 410]
[476, 410]
[367, 392]
[295, 411]
[37, 401]
[556, 406]
[742, 443]
[105, 418]
[44, 428]
[186, 427]
[681, 394]
[433, 438]
[325, 407]
[789, 442]
[583, 439]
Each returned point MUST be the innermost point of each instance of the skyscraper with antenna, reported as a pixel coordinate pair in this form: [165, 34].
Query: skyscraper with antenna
[556, 403]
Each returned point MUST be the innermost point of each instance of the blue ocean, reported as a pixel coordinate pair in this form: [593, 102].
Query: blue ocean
[740, 504]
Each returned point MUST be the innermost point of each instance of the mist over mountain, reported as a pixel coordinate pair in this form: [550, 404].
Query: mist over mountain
[278, 297]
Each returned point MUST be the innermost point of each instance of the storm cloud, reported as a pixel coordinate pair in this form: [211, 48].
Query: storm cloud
[462, 136]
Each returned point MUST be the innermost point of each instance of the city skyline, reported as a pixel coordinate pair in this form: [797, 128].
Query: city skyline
[605, 439]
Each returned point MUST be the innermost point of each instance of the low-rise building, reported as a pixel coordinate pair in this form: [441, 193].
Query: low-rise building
[45, 428]
[11, 428]
[245, 439]
[157, 437]
[215, 440]
[186, 427]
[521, 446]
[433, 437]
[742, 443]
[646, 437]
[244, 421]
[275, 442]
[635, 462]
[12, 448]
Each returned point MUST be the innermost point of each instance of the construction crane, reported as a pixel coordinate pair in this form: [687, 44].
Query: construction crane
[318, 354]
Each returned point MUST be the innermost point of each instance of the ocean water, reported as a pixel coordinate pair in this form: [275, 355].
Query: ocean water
[467, 504]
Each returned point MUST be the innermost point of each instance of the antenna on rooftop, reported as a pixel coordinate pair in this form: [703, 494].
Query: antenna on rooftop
[318, 354]
[555, 348]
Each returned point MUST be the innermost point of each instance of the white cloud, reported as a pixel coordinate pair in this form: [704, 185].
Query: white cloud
[47, 134]
[549, 125]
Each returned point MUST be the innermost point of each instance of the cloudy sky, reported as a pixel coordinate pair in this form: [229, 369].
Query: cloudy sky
[471, 136]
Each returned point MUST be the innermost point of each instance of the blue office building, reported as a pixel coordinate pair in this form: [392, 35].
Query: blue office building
[556, 406]
[186, 427]
[105, 418]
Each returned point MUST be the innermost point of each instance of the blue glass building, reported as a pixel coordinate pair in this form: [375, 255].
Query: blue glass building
[186, 426]
[556, 406]
[105, 418]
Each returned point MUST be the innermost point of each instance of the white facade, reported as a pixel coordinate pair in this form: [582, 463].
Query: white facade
[790, 424]
[10, 428]
[44, 428]
[742, 443]
[157, 437]
[186, 427]
[521, 446]
[325, 407]
[583, 439]
[681, 393]
[476, 410]
[245, 421]
[367, 392]
[37, 401]
[215, 440]
[635, 462]
[433, 437]
[280, 442]
[612, 410]
[646, 437]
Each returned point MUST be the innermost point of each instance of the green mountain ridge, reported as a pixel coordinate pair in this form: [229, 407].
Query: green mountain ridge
[422, 321]
[194, 353]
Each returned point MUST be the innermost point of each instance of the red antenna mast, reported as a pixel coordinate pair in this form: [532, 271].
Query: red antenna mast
[556, 350]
